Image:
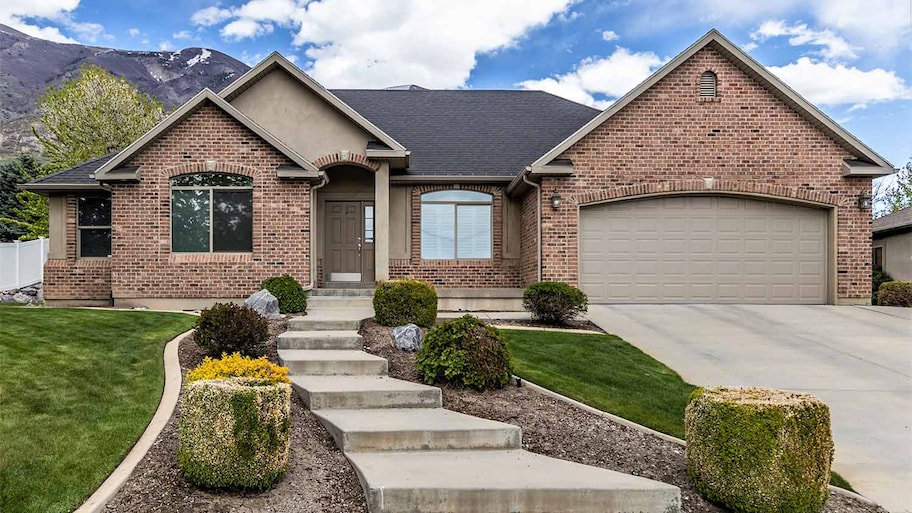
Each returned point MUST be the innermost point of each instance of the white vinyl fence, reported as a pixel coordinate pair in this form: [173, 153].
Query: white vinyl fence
[22, 263]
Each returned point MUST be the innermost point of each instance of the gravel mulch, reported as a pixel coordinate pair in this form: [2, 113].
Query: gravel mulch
[557, 429]
[319, 478]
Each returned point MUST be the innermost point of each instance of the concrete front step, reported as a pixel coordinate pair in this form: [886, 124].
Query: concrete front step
[320, 302]
[354, 392]
[330, 362]
[321, 323]
[339, 291]
[412, 429]
[326, 339]
[502, 481]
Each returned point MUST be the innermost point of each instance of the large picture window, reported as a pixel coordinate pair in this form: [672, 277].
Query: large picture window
[94, 226]
[211, 213]
[456, 224]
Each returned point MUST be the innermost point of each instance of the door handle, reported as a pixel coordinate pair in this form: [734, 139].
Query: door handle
[359, 245]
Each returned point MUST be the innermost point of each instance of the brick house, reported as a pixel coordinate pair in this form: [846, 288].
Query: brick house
[711, 182]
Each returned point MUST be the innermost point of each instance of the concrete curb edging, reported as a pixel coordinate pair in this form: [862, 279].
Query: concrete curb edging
[543, 328]
[633, 425]
[97, 501]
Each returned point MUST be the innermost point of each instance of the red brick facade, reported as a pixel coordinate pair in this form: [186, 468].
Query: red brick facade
[68, 278]
[496, 272]
[668, 139]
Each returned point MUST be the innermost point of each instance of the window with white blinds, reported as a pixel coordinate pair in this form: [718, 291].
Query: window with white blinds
[456, 224]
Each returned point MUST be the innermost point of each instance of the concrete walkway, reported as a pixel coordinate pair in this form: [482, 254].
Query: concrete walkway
[410, 454]
[857, 359]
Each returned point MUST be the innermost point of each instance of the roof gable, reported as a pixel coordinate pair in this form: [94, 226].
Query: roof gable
[276, 59]
[759, 73]
[205, 96]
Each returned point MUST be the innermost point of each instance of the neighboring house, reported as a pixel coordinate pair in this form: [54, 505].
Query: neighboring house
[892, 244]
[711, 182]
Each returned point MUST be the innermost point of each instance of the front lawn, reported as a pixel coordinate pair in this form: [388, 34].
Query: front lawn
[77, 389]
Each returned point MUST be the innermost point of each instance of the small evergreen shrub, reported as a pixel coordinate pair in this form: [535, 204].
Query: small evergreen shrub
[757, 450]
[895, 293]
[234, 433]
[236, 366]
[292, 297]
[405, 301]
[466, 352]
[878, 277]
[230, 328]
[554, 302]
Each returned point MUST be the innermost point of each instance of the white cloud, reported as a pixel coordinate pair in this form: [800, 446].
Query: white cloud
[833, 46]
[14, 13]
[568, 17]
[882, 25]
[89, 32]
[610, 35]
[826, 84]
[210, 16]
[165, 46]
[293, 58]
[133, 32]
[611, 76]
[245, 28]
[183, 34]
[750, 46]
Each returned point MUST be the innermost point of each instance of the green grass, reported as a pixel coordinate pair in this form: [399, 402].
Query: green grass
[607, 373]
[77, 389]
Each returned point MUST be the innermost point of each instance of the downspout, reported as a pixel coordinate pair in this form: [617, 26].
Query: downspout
[313, 229]
[537, 218]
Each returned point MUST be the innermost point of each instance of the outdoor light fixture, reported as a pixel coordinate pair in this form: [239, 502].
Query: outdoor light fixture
[556, 201]
[864, 202]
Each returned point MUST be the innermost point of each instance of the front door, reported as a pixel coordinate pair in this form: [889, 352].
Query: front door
[349, 242]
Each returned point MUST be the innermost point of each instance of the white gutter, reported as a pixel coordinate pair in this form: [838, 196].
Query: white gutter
[313, 229]
[537, 218]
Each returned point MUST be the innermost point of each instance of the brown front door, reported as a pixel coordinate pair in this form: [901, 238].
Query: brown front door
[349, 251]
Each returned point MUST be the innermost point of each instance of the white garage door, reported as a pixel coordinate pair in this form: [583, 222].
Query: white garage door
[703, 249]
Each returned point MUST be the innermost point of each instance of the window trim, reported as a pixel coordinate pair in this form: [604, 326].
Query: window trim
[211, 189]
[80, 227]
[456, 203]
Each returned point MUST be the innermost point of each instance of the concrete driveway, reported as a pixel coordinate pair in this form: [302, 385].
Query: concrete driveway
[857, 359]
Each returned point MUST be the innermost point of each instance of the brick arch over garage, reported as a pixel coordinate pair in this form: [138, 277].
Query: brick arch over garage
[561, 227]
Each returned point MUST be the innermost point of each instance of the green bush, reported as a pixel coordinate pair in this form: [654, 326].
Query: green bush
[234, 433]
[554, 302]
[878, 278]
[467, 352]
[895, 293]
[757, 450]
[292, 297]
[405, 301]
[230, 328]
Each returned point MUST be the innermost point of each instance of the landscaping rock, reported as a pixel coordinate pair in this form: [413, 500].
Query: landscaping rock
[408, 337]
[31, 290]
[264, 303]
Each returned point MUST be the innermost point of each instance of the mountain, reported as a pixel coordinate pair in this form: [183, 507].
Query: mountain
[29, 65]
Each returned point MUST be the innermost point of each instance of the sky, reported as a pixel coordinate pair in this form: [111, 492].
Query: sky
[852, 58]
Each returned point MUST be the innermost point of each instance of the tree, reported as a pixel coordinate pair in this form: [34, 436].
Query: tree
[27, 216]
[91, 115]
[894, 192]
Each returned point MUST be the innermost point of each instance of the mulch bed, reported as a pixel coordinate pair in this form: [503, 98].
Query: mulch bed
[319, 478]
[581, 325]
[560, 430]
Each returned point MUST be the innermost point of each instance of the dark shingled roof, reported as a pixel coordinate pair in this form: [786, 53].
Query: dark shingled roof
[80, 174]
[896, 220]
[483, 133]
[493, 133]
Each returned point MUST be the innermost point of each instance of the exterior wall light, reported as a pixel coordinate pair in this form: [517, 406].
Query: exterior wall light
[556, 201]
[864, 202]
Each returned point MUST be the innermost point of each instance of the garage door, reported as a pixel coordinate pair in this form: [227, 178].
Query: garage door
[703, 249]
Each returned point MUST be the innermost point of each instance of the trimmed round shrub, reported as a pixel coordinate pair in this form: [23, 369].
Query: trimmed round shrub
[230, 328]
[759, 450]
[236, 366]
[878, 278]
[466, 352]
[291, 295]
[405, 301]
[554, 302]
[895, 293]
[234, 433]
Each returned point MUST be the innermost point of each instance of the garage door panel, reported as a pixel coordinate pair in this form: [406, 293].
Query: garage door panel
[703, 249]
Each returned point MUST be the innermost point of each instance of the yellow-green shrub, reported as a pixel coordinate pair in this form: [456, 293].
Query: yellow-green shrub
[234, 433]
[895, 293]
[758, 450]
[236, 366]
[405, 301]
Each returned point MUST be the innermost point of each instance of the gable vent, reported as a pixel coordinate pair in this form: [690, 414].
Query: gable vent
[708, 85]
